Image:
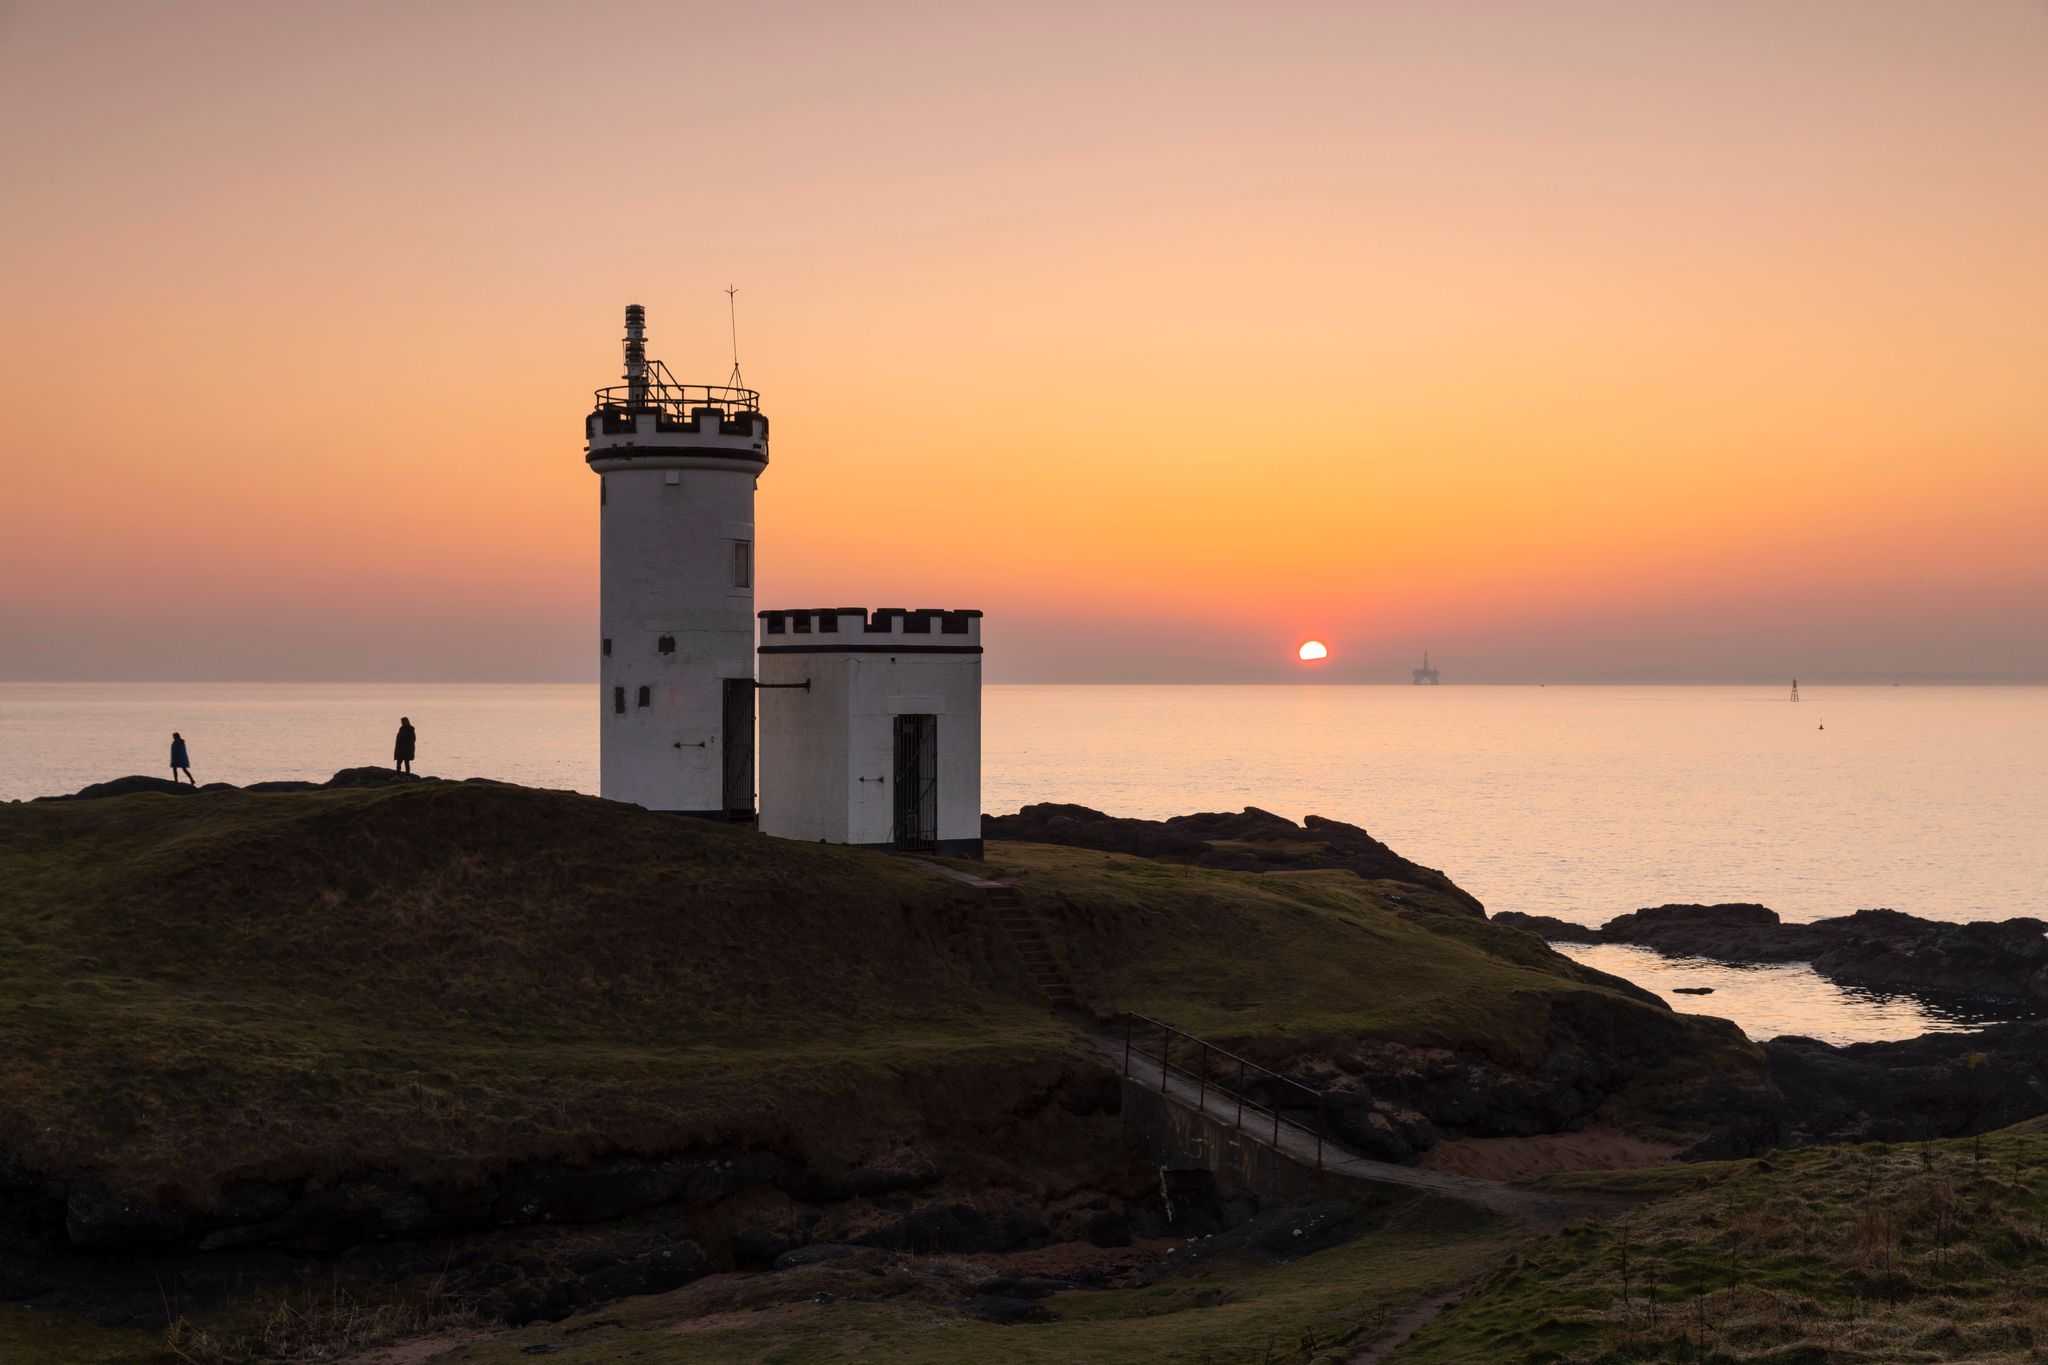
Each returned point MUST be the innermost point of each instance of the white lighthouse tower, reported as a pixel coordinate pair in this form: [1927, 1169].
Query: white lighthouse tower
[676, 465]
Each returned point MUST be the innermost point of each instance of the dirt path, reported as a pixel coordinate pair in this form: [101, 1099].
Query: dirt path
[1409, 1323]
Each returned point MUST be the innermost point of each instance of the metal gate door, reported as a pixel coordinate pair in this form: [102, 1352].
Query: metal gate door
[917, 782]
[738, 741]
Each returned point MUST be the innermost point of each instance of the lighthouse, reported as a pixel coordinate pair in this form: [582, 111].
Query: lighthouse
[677, 466]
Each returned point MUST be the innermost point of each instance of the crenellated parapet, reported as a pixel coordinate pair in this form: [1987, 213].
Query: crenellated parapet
[614, 432]
[845, 629]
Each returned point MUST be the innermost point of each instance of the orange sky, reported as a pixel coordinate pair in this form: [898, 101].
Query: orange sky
[1576, 340]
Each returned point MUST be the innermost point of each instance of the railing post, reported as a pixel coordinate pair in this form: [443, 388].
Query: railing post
[1165, 1047]
[1127, 1047]
[1202, 1084]
[1276, 1123]
[1321, 1121]
[1239, 1125]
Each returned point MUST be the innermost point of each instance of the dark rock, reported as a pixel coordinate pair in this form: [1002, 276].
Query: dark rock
[1023, 1286]
[1935, 1086]
[675, 1266]
[1108, 1229]
[1732, 932]
[605, 1189]
[1871, 949]
[1546, 927]
[1251, 840]
[127, 786]
[818, 1254]
[958, 1228]
[761, 1248]
[98, 1218]
[372, 777]
[999, 1308]
[1692, 990]
[282, 786]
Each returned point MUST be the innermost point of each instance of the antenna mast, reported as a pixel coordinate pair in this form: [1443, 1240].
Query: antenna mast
[732, 317]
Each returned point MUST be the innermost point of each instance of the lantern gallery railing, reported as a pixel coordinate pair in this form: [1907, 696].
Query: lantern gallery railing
[678, 401]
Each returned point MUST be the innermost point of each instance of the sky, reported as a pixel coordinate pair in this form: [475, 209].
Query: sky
[1572, 341]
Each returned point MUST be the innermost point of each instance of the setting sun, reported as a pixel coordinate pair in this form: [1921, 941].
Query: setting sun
[1314, 650]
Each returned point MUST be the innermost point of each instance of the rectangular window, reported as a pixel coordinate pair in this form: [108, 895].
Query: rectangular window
[646, 696]
[802, 622]
[828, 623]
[619, 700]
[743, 563]
[607, 646]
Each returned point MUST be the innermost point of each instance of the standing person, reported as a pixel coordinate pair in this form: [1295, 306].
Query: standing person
[401, 752]
[181, 762]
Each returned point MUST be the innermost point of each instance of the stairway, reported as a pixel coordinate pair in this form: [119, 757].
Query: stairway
[1027, 936]
[1023, 928]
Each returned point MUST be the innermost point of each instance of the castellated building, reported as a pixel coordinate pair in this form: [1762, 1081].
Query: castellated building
[870, 730]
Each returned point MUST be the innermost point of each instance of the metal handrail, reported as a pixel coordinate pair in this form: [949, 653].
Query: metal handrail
[677, 400]
[1167, 1033]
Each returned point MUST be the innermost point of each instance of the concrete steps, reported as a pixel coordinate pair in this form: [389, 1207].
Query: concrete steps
[1025, 932]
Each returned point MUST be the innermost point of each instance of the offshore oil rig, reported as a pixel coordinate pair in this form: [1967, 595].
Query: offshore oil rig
[1425, 676]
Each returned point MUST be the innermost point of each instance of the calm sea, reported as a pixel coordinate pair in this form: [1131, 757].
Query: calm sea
[1581, 802]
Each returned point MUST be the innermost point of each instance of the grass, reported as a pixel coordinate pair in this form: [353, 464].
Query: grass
[438, 977]
[439, 980]
[234, 983]
[1263, 959]
[1921, 1252]
[32, 1335]
[1241, 1313]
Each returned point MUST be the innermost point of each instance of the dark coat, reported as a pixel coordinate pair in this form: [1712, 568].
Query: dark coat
[402, 751]
[179, 758]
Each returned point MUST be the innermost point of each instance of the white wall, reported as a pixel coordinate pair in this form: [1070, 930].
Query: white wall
[817, 746]
[804, 754]
[666, 569]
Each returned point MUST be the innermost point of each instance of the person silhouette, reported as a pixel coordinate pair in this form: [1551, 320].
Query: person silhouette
[402, 750]
[181, 761]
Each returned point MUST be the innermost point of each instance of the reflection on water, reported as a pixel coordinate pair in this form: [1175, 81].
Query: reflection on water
[1782, 998]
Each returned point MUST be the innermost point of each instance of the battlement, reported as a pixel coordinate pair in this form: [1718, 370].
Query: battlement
[820, 630]
[619, 432]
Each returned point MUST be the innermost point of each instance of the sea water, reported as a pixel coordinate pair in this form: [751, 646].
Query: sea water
[1579, 802]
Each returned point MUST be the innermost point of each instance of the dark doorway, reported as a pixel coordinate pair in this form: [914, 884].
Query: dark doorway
[917, 782]
[739, 747]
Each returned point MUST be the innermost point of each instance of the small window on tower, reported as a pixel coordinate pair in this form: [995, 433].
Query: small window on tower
[743, 563]
[619, 700]
[607, 646]
[666, 644]
[646, 696]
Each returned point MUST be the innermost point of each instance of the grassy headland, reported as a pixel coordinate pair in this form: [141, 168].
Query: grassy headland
[423, 976]
[258, 1024]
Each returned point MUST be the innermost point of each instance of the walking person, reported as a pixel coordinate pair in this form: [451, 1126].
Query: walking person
[181, 762]
[401, 752]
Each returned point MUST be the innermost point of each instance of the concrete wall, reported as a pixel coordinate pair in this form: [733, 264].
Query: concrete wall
[1175, 1137]
[666, 567]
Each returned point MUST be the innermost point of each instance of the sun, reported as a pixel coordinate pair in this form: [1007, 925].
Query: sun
[1313, 650]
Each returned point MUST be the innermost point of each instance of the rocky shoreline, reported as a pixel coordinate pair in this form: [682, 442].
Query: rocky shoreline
[1881, 950]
